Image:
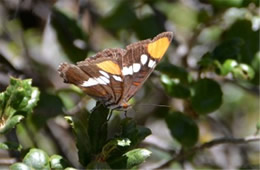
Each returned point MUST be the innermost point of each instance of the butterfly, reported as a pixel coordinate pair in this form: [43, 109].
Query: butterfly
[113, 76]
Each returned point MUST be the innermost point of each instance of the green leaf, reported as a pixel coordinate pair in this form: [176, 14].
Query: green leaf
[258, 126]
[20, 166]
[228, 66]
[228, 49]
[16, 102]
[174, 71]
[174, 88]
[122, 17]
[155, 27]
[79, 123]
[207, 96]
[183, 128]
[249, 46]
[90, 131]
[133, 132]
[244, 72]
[37, 159]
[98, 165]
[131, 159]
[58, 162]
[97, 129]
[69, 35]
[114, 145]
[11, 146]
[226, 4]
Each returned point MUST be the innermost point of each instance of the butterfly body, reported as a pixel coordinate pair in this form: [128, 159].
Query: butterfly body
[113, 76]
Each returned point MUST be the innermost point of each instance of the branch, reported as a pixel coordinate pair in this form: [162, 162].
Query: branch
[182, 154]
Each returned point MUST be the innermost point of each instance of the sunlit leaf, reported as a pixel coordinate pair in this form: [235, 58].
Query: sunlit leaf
[37, 159]
[16, 102]
[20, 166]
[58, 162]
[131, 159]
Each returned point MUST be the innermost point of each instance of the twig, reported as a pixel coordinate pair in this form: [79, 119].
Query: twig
[181, 155]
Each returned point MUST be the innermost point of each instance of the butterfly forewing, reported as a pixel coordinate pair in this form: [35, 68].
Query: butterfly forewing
[145, 56]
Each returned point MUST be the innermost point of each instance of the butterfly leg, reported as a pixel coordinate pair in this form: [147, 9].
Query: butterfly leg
[109, 114]
[125, 113]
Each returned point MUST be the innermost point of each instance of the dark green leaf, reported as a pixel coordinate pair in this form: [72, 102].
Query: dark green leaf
[226, 4]
[69, 33]
[58, 162]
[154, 27]
[131, 159]
[183, 128]
[242, 30]
[174, 71]
[174, 88]
[49, 106]
[98, 165]
[114, 145]
[79, 124]
[133, 132]
[122, 17]
[97, 129]
[228, 49]
[11, 146]
[207, 96]
[37, 159]
[19, 166]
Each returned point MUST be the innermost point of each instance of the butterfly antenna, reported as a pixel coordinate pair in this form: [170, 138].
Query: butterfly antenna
[160, 105]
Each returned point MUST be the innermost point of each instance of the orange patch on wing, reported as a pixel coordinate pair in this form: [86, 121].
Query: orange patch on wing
[110, 67]
[136, 83]
[157, 48]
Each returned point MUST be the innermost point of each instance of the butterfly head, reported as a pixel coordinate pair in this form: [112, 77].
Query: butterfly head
[122, 107]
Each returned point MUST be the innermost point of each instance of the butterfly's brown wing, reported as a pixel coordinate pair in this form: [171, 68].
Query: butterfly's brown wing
[99, 76]
[140, 60]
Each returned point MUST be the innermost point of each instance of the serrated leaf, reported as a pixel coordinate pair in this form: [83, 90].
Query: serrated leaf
[37, 159]
[79, 124]
[207, 96]
[97, 128]
[183, 128]
[131, 159]
[90, 131]
[16, 102]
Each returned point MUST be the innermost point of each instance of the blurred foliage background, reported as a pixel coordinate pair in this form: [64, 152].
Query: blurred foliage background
[209, 77]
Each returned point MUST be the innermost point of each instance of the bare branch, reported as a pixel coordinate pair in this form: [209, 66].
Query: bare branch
[182, 154]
